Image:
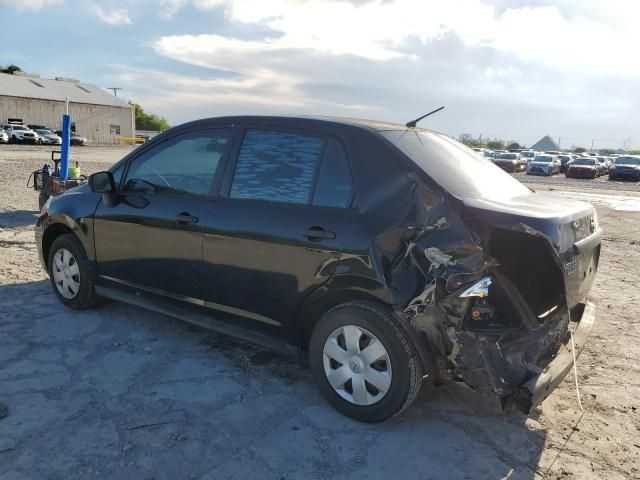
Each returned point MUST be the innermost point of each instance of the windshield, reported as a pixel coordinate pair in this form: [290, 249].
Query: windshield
[508, 156]
[543, 158]
[44, 132]
[18, 127]
[584, 161]
[456, 167]
[628, 161]
[529, 154]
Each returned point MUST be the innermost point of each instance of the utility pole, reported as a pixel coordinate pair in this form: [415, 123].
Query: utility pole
[592, 142]
[115, 90]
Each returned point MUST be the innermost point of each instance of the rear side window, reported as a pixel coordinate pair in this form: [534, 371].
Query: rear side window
[334, 187]
[276, 166]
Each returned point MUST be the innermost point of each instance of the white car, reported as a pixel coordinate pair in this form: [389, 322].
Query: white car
[4, 138]
[47, 137]
[19, 133]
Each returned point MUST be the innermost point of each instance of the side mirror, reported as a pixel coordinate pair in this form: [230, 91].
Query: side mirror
[102, 182]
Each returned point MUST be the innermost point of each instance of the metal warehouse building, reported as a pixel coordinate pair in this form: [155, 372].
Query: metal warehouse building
[96, 115]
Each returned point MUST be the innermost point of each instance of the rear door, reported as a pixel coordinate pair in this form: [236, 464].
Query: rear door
[276, 232]
[152, 239]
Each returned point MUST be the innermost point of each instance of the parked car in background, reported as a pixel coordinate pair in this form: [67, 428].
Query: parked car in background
[584, 167]
[604, 164]
[47, 137]
[511, 162]
[382, 256]
[497, 153]
[626, 167]
[528, 154]
[565, 160]
[20, 133]
[4, 138]
[39, 127]
[543, 165]
[75, 139]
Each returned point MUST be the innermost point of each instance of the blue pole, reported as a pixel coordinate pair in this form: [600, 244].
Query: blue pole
[64, 148]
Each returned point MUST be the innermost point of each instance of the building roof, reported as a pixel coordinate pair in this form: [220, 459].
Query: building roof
[58, 90]
[546, 143]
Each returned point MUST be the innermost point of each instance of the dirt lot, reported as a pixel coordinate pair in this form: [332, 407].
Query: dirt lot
[118, 392]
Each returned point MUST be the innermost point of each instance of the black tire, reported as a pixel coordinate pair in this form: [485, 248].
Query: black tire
[42, 199]
[407, 369]
[86, 296]
[14, 139]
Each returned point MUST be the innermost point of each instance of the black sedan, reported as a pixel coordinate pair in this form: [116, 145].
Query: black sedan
[625, 168]
[383, 256]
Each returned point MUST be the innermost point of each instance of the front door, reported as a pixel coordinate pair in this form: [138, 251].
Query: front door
[152, 239]
[277, 230]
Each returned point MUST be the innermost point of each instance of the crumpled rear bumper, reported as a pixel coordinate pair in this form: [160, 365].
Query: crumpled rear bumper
[535, 390]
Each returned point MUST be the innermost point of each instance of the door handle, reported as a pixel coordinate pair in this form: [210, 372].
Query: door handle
[315, 234]
[185, 218]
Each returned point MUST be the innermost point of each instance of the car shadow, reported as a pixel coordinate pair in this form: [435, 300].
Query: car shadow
[18, 218]
[141, 381]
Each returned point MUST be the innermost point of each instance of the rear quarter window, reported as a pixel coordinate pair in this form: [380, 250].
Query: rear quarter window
[334, 187]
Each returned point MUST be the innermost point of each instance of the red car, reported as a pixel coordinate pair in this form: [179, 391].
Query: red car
[585, 167]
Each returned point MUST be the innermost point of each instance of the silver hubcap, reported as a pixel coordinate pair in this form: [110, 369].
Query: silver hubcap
[66, 273]
[357, 365]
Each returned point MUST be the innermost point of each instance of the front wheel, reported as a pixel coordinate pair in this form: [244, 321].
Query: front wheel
[70, 274]
[363, 362]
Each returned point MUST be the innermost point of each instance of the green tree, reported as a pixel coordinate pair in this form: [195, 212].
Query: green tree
[579, 150]
[472, 142]
[10, 69]
[495, 144]
[607, 151]
[514, 146]
[149, 121]
[634, 152]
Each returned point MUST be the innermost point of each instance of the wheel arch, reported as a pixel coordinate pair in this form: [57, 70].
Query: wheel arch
[49, 236]
[325, 299]
[321, 302]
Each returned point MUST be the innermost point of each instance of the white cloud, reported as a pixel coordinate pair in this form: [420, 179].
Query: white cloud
[378, 29]
[116, 17]
[548, 64]
[33, 5]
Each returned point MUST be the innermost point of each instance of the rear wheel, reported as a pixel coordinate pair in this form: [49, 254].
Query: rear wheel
[69, 273]
[363, 362]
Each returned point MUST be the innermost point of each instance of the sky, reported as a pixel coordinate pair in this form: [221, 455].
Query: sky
[510, 69]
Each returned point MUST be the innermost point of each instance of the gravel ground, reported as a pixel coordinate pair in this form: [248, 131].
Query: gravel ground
[118, 392]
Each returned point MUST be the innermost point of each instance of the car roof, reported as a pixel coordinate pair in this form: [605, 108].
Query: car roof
[295, 120]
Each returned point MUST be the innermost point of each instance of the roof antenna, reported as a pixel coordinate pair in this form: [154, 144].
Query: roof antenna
[413, 123]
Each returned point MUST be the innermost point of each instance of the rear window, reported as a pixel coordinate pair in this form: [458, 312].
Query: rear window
[583, 161]
[456, 167]
[508, 156]
[628, 161]
[543, 158]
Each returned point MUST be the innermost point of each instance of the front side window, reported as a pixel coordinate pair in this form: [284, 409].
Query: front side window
[276, 166]
[183, 165]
